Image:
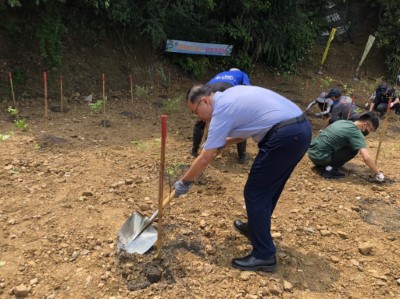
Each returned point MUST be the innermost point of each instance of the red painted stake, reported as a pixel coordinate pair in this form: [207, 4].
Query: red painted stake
[351, 108]
[383, 131]
[161, 183]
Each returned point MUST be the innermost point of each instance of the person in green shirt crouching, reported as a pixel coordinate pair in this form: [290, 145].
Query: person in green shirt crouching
[340, 142]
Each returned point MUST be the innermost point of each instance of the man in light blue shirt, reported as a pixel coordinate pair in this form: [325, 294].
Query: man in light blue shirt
[283, 135]
[221, 82]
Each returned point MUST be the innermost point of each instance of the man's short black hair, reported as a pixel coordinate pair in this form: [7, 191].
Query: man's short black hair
[371, 117]
[197, 91]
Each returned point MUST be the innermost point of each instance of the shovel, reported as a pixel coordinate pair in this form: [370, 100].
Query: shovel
[137, 235]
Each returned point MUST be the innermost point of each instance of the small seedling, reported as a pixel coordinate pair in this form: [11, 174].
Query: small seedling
[139, 144]
[174, 171]
[4, 137]
[162, 76]
[325, 82]
[21, 124]
[348, 89]
[172, 105]
[95, 108]
[37, 146]
[12, 111]
[141, 91]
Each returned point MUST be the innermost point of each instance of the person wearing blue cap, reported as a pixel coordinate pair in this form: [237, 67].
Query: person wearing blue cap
[325, 101]
[282, 133]
[380, 100]
[221, 82]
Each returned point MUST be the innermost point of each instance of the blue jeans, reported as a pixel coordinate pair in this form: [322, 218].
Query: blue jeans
[275, 162]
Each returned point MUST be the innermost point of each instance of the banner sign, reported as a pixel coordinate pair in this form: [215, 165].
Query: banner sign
[180, 46]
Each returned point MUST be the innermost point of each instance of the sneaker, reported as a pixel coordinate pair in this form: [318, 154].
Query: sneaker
[332, 173]
[193, 153]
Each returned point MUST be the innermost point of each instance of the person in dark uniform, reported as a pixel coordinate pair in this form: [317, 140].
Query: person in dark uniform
[283, 135]
[380, 100]
[221, 82]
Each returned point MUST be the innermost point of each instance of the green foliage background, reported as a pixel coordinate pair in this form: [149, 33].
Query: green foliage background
[388, 33]
[276, 32]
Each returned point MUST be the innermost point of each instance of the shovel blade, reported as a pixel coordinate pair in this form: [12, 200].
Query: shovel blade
[129, 241]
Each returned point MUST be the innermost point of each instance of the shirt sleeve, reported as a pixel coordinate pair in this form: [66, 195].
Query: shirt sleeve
[218, 131]
[357, 139]
[327, 108]
[311, 104]
[246, 80]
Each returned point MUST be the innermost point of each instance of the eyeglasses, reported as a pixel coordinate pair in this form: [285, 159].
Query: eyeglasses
[197, 107]
[369, 127]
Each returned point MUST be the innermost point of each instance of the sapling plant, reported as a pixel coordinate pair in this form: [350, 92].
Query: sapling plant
[139, 144]
[21, 124]
[4, 137]
[95, 108]
[141, 91]
[13, 111]
[174, 171]
[172, 105]
[325, 82]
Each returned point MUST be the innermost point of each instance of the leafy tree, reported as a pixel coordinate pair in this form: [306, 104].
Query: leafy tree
[388, 32]
[276, 32]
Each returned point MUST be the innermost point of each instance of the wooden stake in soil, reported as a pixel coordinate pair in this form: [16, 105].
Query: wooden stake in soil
[103, 77]
[131, 83]
[12, 89]
[383, 131]
[323, 116]
[161, 184]
[46, 117]
[351, 107]
[61, 95]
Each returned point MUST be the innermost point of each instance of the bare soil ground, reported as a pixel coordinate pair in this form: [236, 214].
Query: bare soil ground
[70, 184]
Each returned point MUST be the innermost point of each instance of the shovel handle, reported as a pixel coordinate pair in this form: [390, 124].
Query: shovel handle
[166, 202]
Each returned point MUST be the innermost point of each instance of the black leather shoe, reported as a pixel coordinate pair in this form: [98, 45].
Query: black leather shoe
[193, 153]
[241, 227]
[250, 263]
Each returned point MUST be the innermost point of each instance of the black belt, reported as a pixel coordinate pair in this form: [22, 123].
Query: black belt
[289, 121]
[284, 123]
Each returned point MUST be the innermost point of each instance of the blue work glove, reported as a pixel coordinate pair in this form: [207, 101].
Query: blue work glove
[181, 187]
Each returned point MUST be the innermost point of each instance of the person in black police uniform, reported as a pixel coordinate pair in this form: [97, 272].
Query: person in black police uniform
[380, 100]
